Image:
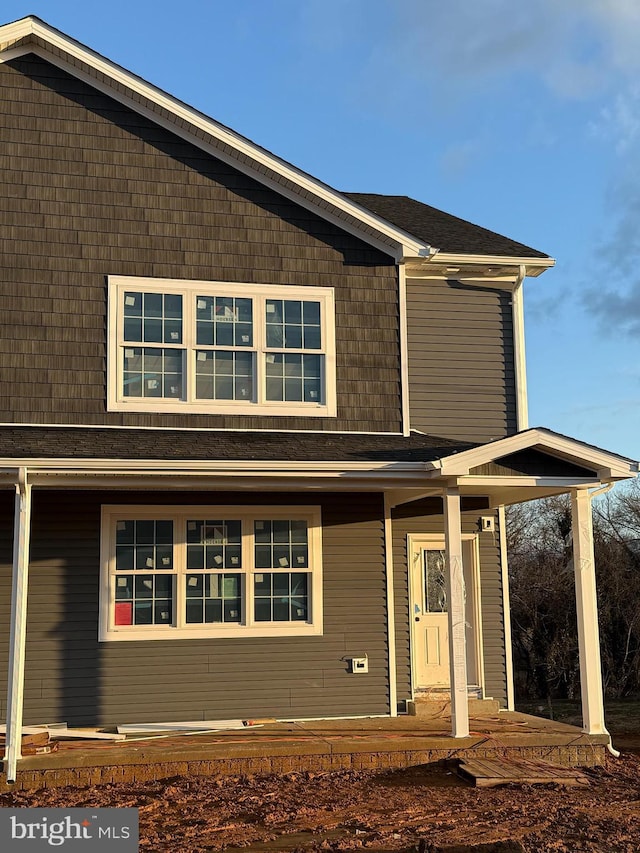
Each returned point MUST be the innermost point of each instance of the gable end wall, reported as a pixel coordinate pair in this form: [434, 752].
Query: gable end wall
[90, 189]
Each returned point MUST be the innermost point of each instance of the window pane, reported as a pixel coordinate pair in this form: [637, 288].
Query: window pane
[293, 337]
[281, 544]
[153, 372]
[293, 312]
[143, 612]
[262, 610]
[281, 597]
[214, 544]
[124, 587]
[194, 612]
[143, 600]
[152, 303]
[153, 317]
[224, 321]
[152, 331]
[312, 338]
[262, 531]
[149, 544]
[293, 390]
[301, 380]
[133, 305]
[125, 558]
[224, 375]
[263, 584]
[292, 324]
[213, 610]
[132, 329]
[213, 598]
[311, 313]
[173, 306]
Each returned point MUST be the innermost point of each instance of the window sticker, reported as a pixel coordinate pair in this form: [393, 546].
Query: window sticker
[123, 613]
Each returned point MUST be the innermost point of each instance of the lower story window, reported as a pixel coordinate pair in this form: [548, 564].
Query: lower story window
[170, 572]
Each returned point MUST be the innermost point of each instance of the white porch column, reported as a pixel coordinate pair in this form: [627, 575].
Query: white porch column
[457, 628]
[18, 627]
[587, 612]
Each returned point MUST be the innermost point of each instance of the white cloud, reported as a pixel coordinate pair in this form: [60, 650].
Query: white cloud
[619, 121]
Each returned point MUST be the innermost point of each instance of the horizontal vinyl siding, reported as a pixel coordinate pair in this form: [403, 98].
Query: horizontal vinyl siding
[89, 189]
[461, 367]
[72, 677]
[420, 517]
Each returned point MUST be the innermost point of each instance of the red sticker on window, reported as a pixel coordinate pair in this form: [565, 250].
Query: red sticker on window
[124, 613]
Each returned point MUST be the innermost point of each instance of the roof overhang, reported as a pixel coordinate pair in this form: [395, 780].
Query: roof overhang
[32, 35]
[608, 466]
[481, 269]
[404, 481]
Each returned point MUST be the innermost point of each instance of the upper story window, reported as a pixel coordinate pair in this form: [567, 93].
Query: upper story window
[212, 347]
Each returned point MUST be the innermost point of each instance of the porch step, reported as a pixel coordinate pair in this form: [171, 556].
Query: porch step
[491, 772]
[439, 705]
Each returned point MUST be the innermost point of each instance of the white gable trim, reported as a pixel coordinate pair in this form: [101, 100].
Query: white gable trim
[245, 155]
[607, 465]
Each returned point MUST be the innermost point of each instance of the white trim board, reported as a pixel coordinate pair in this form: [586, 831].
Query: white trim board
[607, 465]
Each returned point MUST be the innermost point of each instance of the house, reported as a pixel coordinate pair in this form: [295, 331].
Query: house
[257, 434]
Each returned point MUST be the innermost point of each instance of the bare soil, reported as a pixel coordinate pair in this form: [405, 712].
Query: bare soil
[426, 808]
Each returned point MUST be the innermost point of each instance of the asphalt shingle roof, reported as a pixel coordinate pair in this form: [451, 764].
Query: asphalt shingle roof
[441, 230]
[32, 442]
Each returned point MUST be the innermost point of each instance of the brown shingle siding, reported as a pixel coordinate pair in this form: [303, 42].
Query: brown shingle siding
[92, 188]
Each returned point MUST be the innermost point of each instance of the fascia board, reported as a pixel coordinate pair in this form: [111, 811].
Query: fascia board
[407, 245]
[614, 466]
[441, 257]
[207, 466]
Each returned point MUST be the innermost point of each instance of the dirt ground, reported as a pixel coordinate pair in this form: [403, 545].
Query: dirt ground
[385, 811]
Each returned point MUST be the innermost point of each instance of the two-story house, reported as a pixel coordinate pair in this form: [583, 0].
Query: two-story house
[256, 434]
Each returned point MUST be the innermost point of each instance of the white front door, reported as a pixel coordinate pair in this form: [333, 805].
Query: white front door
[430, 612]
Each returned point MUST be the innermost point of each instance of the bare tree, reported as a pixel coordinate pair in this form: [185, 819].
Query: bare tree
[543, 594]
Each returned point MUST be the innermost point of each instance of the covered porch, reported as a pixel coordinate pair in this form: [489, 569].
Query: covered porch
[531, 465]
[398, 470]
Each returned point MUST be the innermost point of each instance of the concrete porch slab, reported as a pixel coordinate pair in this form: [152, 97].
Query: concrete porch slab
[315, 746]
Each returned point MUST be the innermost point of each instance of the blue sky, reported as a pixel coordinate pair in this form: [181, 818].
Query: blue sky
[522, 117]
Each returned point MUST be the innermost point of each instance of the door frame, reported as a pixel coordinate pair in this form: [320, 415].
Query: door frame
[417, 541]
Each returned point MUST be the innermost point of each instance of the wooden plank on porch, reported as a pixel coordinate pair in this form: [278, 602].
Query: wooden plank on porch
[490, 772]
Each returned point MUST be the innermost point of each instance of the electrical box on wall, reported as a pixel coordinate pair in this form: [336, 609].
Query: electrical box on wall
[360, 664]
[487, 523]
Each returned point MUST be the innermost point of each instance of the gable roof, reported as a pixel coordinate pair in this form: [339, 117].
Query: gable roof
[449, 233]
[396, 225]
[608, 465]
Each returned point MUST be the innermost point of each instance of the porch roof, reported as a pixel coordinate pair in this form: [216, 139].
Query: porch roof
[533, 463]
[124, 443]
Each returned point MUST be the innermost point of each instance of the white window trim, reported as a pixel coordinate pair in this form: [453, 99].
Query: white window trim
[117, 402]
[109, 632]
